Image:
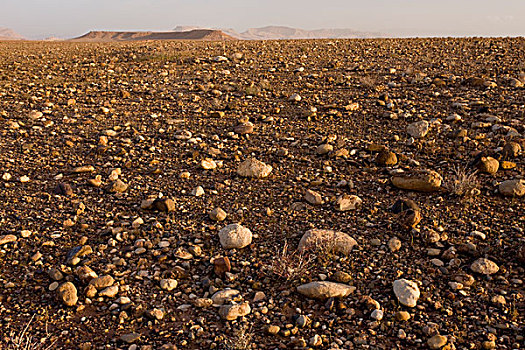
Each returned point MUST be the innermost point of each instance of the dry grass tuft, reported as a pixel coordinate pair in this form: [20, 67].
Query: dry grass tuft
[26, 341]
[290, 265]
[463, 183]
[241, 339]
[368, 82]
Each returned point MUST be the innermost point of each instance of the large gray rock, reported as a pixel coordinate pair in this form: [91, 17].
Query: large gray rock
[225, 296]
[254, 168]
[235, 236]
[327, 241]
[512, 188]
[418, 129]
[232, 312]
[421, 180]
[325, 290]
[484, 266]
[407, 292]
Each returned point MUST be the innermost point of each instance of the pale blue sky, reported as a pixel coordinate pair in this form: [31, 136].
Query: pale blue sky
[68, 18]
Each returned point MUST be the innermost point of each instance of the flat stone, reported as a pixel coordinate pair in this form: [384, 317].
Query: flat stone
[418, 129]
[324, 149]
[313, 197]
[437, 342]
[102, 282]
[422, 181]
[484, 266]
[348, 202]
[130, 337]
[325, 290]
[254, 168]
[83, 169]
[327, 241]
[226, 295]
[7, 239]
[109, 292]
[244, 128]
[512, 188]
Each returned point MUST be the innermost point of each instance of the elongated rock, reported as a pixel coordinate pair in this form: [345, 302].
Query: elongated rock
[484, 266]
[422, 181]
[512, 188]
[327, 241]
[325, 290]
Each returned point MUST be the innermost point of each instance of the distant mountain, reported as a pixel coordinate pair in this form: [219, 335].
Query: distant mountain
[198, 34]
[9, 34]
[282, 32]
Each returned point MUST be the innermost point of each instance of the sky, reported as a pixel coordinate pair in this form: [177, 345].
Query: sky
[38, 19]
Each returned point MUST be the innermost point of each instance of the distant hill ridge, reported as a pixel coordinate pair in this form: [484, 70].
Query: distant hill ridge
[9, 34]
[283, 32]
[198, 34]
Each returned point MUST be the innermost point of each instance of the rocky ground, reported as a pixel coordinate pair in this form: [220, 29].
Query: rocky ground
[263, 195]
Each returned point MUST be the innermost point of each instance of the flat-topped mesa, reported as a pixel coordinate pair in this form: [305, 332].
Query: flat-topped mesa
[111, 36]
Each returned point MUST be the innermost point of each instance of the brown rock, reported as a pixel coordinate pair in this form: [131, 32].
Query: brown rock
[102, 282]
[221, 265]
[512, 188]
[348, 202]
[488, 165]
[166, 205]
[437, 342]
[422, 181]
[244, 128]
[313, 197]
[232, 312]
[7, 239]
[254, 168]
[67, 293]
[386, 158]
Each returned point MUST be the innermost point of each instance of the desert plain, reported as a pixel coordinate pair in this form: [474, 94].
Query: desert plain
[307, 194]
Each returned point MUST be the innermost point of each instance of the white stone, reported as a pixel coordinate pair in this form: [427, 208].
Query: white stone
[235, 236]
[407, 292]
